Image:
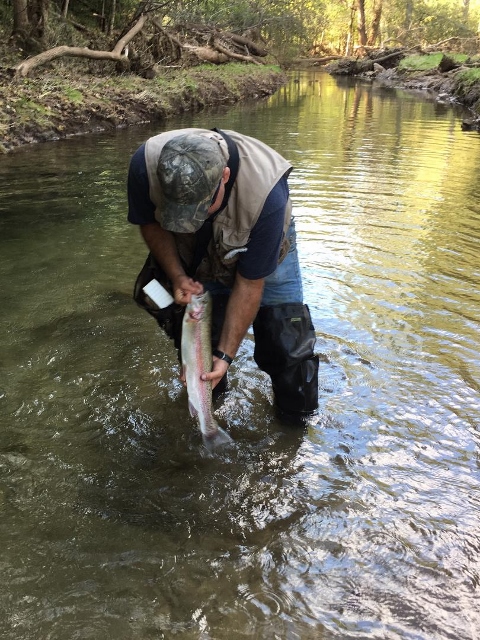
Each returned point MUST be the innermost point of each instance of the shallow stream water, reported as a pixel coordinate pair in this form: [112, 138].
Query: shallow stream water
[113, 522]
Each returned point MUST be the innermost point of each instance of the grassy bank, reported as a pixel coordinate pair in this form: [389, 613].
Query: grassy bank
[51, 106]
[431, 72]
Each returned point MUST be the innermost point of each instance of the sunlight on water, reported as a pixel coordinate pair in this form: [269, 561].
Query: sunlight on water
[114, 524]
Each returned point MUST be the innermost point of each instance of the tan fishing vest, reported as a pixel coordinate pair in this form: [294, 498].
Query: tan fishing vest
[259, 171]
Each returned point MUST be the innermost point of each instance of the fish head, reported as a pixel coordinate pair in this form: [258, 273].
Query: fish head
[198, 307]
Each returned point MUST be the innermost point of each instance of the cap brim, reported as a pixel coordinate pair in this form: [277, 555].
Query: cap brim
[183, 218]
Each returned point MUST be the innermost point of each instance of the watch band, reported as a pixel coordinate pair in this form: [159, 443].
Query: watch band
[222, 356]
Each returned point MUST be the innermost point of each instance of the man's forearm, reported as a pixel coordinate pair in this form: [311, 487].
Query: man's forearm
[162, 244]
[242, 308]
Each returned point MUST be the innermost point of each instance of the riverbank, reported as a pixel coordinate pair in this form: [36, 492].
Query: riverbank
[446, 77]
[51, 106]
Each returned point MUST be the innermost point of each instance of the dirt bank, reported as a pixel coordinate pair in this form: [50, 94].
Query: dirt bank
[51, 106]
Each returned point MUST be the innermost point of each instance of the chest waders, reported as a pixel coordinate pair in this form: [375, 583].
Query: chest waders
[284, 343]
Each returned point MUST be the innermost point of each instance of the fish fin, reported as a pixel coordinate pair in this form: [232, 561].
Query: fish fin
[219, 439]
[191, 408]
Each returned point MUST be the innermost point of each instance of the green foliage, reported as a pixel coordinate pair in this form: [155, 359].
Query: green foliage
[6, 15]
[468, 76]
[74, 95]
[295, 27]
[428, 21]
[427, 62]
[420, 62]
[303, 26]
[440, 20]
[28, 110]
[467, 88]
[289, 27]
[237, 16]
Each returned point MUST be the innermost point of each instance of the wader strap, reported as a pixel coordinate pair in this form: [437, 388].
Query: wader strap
[233, 164]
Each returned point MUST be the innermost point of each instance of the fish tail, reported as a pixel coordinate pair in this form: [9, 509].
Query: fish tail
[218, 439]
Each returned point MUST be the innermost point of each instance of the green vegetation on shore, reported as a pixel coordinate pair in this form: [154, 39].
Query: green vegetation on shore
[52, 106]
[68, 68]
[461, 81]
[428, 62]
[456, 76]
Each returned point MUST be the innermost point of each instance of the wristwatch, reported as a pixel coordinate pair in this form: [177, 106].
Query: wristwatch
[222, 356]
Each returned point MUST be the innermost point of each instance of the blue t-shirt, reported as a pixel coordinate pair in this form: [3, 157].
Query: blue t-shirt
[261, 258]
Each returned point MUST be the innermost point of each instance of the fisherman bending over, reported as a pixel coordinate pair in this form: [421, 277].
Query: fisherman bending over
[214, 210]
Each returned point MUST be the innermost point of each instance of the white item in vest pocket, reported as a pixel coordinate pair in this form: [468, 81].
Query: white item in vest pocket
[233, 252]
[158, 294]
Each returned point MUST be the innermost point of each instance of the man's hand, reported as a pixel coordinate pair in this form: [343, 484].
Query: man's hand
[219, 369]
[183, 289]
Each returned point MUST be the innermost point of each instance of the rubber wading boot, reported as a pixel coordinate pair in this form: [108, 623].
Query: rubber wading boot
[284, 343]
[296, 393]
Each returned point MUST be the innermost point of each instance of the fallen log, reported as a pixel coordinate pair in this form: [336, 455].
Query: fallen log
[252, 47]
[235, 56]
[117, 54]
[207, 54]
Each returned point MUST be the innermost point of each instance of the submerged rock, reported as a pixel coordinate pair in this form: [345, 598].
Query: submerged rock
[471, 124]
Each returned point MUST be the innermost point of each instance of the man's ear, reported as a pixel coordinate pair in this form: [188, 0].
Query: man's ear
[226, 175]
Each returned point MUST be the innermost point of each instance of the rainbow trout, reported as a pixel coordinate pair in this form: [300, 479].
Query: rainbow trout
[197, 359]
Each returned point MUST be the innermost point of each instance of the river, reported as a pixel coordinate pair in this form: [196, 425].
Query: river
[115, 525]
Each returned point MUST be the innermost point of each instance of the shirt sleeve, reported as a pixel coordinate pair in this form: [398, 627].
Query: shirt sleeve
[263, 249]
[141, 209]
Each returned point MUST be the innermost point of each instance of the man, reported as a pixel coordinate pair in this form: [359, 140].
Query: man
[214, 210]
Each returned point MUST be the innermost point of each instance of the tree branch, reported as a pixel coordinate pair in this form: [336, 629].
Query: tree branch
[24, 67]
[236, 56]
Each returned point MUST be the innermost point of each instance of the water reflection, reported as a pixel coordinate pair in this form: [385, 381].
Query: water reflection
[113, 522]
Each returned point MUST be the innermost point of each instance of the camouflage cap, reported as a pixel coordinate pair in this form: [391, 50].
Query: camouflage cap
[189, 169]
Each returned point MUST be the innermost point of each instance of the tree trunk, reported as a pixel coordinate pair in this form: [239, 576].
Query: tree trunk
[408, 15]
[375, 26]
[235, 56]
[111, 22]
[466, 11]
[65, 9]
[362, 31]
[252, 47]
[21, 25]
[349, 43]
[37, 16]
[102, 19]
[207, 54]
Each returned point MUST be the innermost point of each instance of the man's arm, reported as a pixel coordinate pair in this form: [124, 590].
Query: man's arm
[261, 259]
[242, 308]
[162, 244]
